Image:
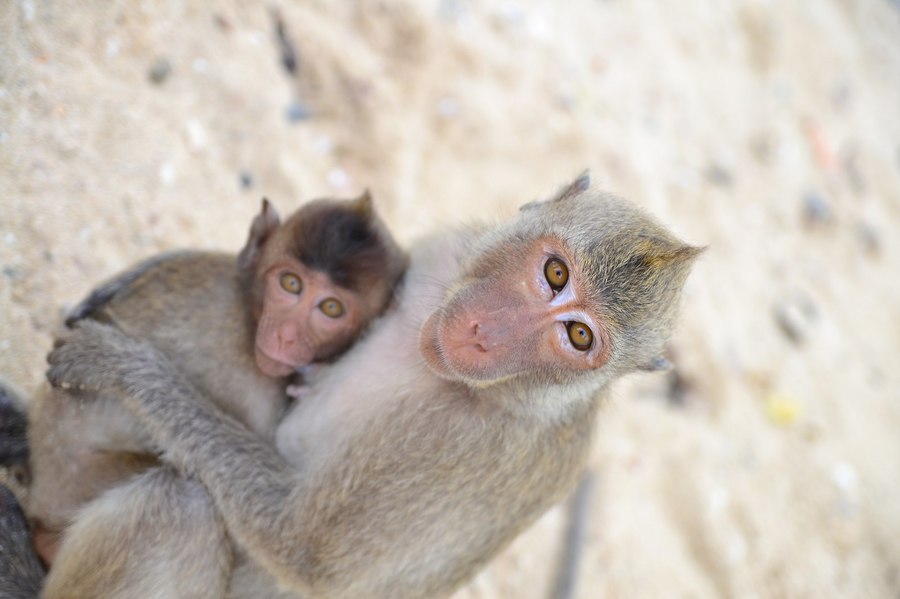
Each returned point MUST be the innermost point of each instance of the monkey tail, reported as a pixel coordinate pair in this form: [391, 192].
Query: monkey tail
[565, 581]
[21, 572]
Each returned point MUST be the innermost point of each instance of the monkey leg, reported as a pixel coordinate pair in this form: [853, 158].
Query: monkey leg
[20, 571]
[156, 536]
[79, 448]
[13, 428]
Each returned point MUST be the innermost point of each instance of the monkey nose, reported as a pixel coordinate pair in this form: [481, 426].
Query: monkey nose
[489, 336]
[287, 336]
[478, 345]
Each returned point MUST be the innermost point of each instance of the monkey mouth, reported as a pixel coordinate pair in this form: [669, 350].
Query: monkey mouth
[269, 366]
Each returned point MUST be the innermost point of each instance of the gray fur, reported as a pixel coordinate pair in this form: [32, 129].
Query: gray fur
[390, 480]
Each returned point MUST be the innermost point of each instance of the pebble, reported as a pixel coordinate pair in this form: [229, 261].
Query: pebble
[200, 65]
[196, 134]
[14, 273]
[782, 409]
[222, 22]
[451, 11]
[28, 9]
[815, 209]
[795, 317]
[869, 238]
[511, 14]
[9, 239]
[167, 173]
[449, 107]
[338, 178]
[323, 144]
[719, 175]
[296, 112]
[246, 180]
[845, 478]
[159, 71]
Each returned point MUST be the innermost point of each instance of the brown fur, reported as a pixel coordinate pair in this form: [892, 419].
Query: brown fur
[195, 308]
[396, 479]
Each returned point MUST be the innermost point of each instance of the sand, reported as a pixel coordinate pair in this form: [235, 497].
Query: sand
[768, 463]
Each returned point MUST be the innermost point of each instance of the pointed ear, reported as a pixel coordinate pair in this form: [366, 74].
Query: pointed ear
[364, 204]
[264, 224]
[579, 185]
[657, 253]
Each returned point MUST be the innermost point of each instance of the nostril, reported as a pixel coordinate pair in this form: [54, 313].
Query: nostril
[285, 340]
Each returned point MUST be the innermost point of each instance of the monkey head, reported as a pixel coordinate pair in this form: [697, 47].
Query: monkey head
[582, 284]
[316, 280]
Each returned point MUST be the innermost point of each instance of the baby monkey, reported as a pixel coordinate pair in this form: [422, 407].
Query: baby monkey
[299, 294]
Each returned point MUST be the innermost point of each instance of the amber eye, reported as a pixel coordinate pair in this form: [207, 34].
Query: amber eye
[291, 283]
[580, 335]
[557, 274]
[332, 307]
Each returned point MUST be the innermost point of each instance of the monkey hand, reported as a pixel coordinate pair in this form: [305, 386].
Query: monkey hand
[94, 356]
[297, 391]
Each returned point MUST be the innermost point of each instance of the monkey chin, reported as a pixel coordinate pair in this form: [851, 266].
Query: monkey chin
[272, 367]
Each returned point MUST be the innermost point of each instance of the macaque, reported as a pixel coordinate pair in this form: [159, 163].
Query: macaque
[20, 570]
[13, 432]
[298, 294]
[462, 416]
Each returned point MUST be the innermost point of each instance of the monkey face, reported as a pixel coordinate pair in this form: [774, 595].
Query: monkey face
[305, 317]
[522, 309]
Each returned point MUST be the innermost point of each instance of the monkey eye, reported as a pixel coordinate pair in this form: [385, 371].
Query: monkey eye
[580, 335]
[332, 307]
[291, 283]
[557, 273]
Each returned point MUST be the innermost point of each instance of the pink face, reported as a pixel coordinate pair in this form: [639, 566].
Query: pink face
[305, 318]
[526, 311]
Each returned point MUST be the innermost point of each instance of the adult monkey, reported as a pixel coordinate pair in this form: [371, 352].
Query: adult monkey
[464, 415]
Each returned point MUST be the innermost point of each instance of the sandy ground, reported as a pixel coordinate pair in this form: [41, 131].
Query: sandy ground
[768, 463]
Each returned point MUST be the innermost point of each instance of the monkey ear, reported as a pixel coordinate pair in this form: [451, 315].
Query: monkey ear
[264, 224]
[364, 204]
[659, 253]
[581, 184]
[657, 364]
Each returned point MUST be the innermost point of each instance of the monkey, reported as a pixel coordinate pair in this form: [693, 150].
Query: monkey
[13, 432]
[20, 569]
[565, 581]
[465, 413]
[299, 292]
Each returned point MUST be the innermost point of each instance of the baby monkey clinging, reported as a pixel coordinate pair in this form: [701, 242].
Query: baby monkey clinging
[299, 293]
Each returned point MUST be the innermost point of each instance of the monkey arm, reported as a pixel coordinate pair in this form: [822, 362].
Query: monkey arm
[102, 295]
[256, 491]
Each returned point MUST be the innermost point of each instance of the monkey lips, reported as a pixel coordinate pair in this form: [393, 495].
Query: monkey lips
[272, 367]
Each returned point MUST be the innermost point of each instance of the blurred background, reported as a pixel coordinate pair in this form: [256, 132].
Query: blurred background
[767, 463]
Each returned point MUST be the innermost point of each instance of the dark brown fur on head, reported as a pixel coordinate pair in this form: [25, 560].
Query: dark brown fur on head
[344, 239]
